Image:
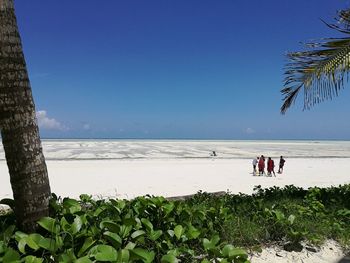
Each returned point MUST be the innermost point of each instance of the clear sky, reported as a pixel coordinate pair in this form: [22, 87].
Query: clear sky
[205, 69]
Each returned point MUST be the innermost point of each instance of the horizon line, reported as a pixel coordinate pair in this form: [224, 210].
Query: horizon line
[194, 139]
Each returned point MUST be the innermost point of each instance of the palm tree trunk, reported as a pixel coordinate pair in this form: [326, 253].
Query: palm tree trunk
[19, 129]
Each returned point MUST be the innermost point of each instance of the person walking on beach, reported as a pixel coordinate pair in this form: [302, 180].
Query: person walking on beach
[255, 162]
[261, 165]
[280, 168]
[270, 167]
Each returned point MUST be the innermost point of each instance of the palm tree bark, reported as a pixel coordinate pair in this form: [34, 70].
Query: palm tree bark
[19, 129]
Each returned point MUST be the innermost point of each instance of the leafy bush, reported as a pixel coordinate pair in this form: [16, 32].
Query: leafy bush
[145, 229]
[204, 228]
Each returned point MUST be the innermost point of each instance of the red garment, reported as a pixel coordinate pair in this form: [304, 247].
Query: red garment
[261, 164]
[270, 165]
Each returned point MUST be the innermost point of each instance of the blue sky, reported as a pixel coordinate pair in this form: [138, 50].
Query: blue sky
[204, 69]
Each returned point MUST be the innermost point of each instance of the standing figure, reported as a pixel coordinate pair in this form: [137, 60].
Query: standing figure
[282, 161]
[270, 167]
[255, 162]
[261, 165]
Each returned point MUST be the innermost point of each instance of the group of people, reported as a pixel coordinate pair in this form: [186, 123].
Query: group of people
[260, 162]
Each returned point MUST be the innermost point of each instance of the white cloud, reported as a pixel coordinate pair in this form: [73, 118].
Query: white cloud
[250, 131]
[47, 123]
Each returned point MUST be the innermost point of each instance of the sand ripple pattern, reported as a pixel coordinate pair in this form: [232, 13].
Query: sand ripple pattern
[184, 149]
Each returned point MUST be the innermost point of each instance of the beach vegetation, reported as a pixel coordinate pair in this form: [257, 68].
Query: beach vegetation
[321, 70]
[203, 228]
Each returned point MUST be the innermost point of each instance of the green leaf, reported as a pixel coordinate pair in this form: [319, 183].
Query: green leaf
[210, 245]
[6, 236]
[83, 260]
[65, 225]
[77, 224]
[343, 212]
[158, 201]
[36, 241]
[137, 234]
[87, 244]
[21, 245]
[168, 208]
[279, 215]
[123, 256]
[71, 206]
[68, 256]
[199, 214]
[20, 235]
[169, 259]
[97, 212]
[59, 242]
[143, 254]
[193, 232]
[113, 238]
[215, 239]
[85, 197]
[231, 252]
[120, 204]
[48, 244]
[171, 233]
[178, 231]
[2, 247]
[147, 224]
[11, 256]
[104, 253]
[176, 252]
[115, 207]
[154, 235]
[33, 241]
[130, 246]
[124, 231]
[32, 259]
[129, 221]
[227, 250]
[49, 224]
[207, 244]
[110, 225]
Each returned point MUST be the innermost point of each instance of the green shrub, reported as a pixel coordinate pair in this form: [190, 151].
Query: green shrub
[204, 228]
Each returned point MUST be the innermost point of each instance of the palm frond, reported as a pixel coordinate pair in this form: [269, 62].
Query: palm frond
[344, 18]
[321, 71]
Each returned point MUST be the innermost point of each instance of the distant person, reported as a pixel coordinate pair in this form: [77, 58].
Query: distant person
[213, 153]
[261, 165]
[270, 167]
[282, 161]
[255, 162]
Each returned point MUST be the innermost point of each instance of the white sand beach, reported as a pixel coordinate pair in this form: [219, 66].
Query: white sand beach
[330, 252]
[131, 178]
[126, 169]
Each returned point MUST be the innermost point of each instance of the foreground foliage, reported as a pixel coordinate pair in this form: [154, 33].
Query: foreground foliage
[204, 228]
